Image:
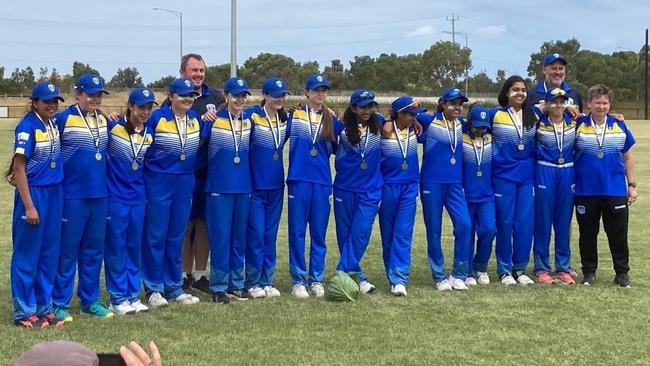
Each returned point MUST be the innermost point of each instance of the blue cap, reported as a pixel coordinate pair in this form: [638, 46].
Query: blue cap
[362, 98]
[46, 91]
[142, 96]
[552, 57]
[555, 93]
[479, 116]
[316, 80]
[236, 86]
[406, 104]
[453, 94]
[275, 87]
[182, 86]
[90, 84]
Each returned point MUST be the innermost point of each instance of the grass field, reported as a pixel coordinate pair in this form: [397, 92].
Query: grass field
[487, 325]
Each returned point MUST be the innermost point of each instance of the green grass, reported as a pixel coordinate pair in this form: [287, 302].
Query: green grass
[486, 325]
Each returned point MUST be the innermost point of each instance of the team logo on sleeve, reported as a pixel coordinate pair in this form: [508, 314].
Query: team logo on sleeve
[23, 137]
[96, 81]
[51, 87]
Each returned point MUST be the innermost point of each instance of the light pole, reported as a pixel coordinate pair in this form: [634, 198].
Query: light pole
[233, 38]
[179, 14]
[466, 42]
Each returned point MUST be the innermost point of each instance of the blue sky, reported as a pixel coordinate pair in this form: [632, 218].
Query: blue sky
[120, 33]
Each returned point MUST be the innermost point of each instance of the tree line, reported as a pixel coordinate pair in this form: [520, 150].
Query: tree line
[442, 65]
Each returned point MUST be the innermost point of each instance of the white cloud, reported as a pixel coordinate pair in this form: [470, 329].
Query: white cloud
[492, 30]
[422, 31]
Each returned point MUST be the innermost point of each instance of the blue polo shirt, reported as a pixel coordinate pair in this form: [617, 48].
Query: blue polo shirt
[126, 185]
[601, 176]
[508, 162]
[39, 143]
[478, 186]
[224, 174]
[164, 155]
[392, 157]
[303, 167]
[349, 175]
[83, 175]
[436, 160]
[266, 172]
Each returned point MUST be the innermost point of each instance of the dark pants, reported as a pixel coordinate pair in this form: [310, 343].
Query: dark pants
[614, 211]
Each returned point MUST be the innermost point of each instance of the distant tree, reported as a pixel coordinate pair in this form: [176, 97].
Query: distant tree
[501, 77]
[126, 78]
[42, 74]
[257, 69]
[363, 72]
[22, 80]
[162, 83]
[79, 69]
[303, 71]
[337, 75]
[481, 83]
[442, 65]
[216, 75]
[569, 49]
[54, 76]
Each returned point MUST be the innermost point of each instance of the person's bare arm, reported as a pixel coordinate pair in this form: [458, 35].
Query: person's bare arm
[20, 177]
[629, 172]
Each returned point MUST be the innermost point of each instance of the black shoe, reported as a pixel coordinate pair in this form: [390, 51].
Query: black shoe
[202, 284]
[220, 298]
[589, 279]
[240, 295]
[622, 279]
[187, 284]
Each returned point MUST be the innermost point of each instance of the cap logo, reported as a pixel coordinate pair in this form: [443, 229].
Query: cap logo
[556, 55]
[319, 78]
[96, 81]
[146, 93]
[483, 115]
[278, 83]
[51, 87]
[240, 82]
[188, 83]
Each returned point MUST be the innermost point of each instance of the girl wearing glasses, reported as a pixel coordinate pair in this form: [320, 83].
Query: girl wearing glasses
[358, 181]
[268, 135]
[169, 181]
[400, 172]
[84, 137]
[36, 228]
[313, 131]
[513, 162]
[441, 185]
[228, 193]
[129, 140]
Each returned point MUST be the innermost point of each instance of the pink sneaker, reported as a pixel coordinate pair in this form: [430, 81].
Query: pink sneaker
[565, 278]
[544, 278]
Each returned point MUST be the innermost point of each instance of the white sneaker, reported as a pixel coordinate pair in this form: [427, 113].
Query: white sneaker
[524, 280]
[256, 292]
[457, 283]
[186, 299]
[317, 289]
[508, 280]
[122, 309]
[271, 291]
[157, 300]
[139, 306]
[299, 291]
[366, 287]
[483, 278]
[444, 285]
[470, 281]
[398, 290]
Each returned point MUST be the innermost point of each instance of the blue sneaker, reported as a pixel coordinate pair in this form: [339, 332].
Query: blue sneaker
[62, 313]
[97, 309]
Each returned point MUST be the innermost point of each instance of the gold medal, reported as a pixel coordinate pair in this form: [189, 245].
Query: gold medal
[479, 173]
[276, 156]
[135, 165]
[560, 161]
[313, 151]
[521, 147]
[52, 164]
[452, 160]
[600, 154]
[98, 156]
[182, 156]
[405, 166]
[236, 160]
[363, 165]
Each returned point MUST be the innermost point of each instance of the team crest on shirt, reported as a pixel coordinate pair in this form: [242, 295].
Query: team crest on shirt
[240, 82]
[187, 82]
[51, 87]
[581, 209]
[96, 81]
[146, 93]
[278, 83]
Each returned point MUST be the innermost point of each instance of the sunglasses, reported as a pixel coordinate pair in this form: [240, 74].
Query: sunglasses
[414, 104]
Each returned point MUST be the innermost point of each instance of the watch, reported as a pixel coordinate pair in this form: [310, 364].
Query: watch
[631, 184]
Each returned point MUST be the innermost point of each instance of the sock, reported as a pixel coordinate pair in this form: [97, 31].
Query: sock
[184, 275]
[199, 274]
